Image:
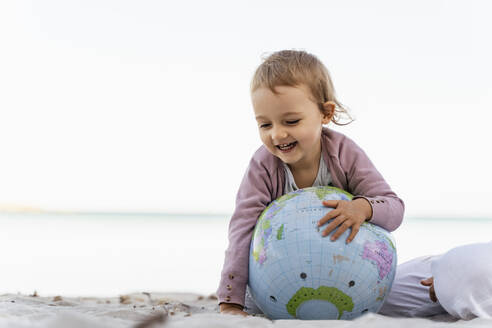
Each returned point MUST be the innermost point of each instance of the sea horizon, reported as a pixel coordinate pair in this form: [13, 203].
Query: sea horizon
[164, 214]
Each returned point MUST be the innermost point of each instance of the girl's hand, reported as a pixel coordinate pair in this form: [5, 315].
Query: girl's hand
[432, 293]
[346, 214]
[231, 308]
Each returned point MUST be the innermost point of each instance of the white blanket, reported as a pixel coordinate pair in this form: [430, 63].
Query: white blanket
[463, 280]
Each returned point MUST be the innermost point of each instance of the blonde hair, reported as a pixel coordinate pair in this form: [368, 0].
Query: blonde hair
[293, 68]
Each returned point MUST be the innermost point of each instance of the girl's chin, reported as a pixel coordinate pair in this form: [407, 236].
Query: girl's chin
[288, 159]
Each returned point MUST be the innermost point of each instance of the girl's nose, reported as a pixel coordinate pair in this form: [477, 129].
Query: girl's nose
[278, 134]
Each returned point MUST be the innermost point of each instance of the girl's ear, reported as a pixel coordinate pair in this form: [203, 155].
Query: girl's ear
[329, 111]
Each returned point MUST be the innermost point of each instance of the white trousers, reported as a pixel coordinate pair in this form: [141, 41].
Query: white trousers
[408, 297]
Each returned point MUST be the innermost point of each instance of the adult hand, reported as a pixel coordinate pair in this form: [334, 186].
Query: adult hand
[346, 214]
[432, 292]
[232, 308]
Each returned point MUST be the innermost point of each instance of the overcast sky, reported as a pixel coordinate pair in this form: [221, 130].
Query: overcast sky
[145, 105]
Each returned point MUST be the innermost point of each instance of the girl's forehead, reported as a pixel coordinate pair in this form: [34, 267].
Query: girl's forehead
[289, 100]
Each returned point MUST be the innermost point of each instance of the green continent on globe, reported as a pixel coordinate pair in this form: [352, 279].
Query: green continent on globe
[321, 193]
[280, 232]
[342, 301]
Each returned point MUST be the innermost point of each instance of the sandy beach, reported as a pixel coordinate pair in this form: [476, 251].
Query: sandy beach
[141, 310]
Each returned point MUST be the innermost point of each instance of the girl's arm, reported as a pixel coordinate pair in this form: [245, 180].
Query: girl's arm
[253, 196]
[364, 181]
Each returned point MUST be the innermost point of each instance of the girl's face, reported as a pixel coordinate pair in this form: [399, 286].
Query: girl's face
[290, 125]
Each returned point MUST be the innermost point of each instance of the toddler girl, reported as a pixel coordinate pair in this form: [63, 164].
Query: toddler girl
[293, 97]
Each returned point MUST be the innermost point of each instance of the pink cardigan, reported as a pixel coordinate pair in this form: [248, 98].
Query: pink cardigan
[264, 181]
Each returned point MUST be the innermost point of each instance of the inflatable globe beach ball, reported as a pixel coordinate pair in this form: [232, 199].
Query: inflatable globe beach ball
[295, 273]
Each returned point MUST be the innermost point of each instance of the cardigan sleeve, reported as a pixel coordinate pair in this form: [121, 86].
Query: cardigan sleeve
[253, 196]
[364, 181]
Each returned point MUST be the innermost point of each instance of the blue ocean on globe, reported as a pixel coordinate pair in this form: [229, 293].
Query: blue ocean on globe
[295, 273]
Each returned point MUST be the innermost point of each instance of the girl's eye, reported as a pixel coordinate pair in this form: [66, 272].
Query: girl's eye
[293, 122]
[288, 122]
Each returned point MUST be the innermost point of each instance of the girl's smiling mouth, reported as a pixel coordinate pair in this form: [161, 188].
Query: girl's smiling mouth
[285, 148]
